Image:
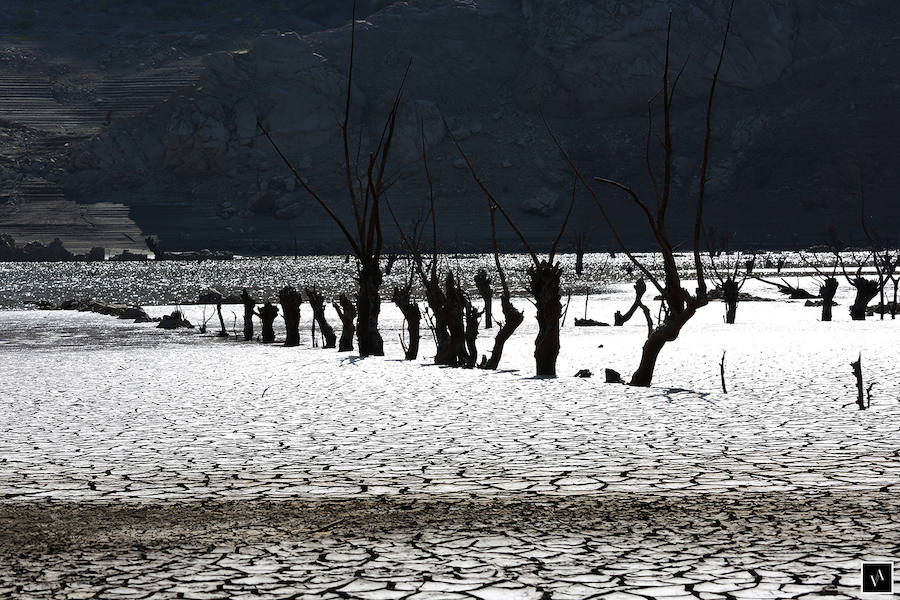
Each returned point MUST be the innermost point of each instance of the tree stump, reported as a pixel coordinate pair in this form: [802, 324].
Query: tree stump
[543, 281]
[827, 292]
[317, 302]
[866, 290]
[580, 243]
[267, 315]
[290, 310]
[483, 285]
[249, 309]
[730, 293]
[347, 313]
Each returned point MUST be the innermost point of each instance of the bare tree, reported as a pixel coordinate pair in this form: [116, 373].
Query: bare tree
[678, 305]
[366, 193]
[730, 275]
[512, 316]
[828, 285]
[543, 278]
[427, 271]
[885, 264]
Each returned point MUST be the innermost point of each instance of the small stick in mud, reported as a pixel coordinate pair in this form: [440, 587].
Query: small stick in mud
[722, 372]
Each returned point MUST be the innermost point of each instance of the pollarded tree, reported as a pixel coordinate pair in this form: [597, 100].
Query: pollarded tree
[512, 317]
[543, 278]
[730, 274]
[448, 341]
[366, 192]
[678, 304]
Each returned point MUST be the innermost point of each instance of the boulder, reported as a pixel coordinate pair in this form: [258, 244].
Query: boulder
[174, 321]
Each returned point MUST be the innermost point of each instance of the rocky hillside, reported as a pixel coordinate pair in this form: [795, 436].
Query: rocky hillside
[807, 98]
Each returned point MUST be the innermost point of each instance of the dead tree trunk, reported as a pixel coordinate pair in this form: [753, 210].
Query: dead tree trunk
[544, 276]
[366, 193]
[317, 303]
[437, 301]
[730, 293]
[222, 331]
[290, 310]
[866, 290]
[483, 284]
[249, 308]
[640, 288]
[580, 239]
[827, 292]
[267, 315]
[368, 306]
[455, 306]
[894, 305]
[666, 332]
[543, 280]
[473, 315]
[347, 312]
[391, 259]
[678, 305]
[413, 317]
[512, 318]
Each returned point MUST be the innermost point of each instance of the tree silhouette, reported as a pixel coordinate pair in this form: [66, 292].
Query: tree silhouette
[366, 193]
[678, 304]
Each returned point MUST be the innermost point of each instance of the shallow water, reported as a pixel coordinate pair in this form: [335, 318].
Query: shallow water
[152, 283]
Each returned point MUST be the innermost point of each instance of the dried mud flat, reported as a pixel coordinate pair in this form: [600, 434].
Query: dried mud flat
[749, 546]
[201, 468]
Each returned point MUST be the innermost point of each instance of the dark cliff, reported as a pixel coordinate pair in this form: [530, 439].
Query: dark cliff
[807, 98]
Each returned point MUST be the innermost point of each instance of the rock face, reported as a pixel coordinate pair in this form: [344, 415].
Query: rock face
[806, 95]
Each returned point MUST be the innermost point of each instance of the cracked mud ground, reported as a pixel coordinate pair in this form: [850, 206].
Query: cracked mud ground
[192, 468]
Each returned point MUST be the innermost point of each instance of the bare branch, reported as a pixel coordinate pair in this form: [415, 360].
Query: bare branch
[634, 260]
[311, 192]
[647, 146]
[565, 222]
[704, 167]
[489, 195]
[348, 170]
